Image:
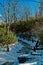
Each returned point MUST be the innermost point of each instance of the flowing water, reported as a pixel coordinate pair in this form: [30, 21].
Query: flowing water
[26, 55]
[23, 54]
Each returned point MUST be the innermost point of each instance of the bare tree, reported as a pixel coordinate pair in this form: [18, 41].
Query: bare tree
[24, 12]
[36, 12]
[27, 11]
[9, 11]
[41, 8]
[15, 6]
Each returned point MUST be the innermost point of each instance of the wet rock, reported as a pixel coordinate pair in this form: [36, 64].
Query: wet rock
[8, 63]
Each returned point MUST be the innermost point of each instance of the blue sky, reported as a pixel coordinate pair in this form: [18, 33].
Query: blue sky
[22, 3]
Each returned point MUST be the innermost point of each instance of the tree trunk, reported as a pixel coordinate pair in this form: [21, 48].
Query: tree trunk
[7, 48]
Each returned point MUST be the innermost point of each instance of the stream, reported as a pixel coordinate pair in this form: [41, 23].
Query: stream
[26, 54]
[23, 53]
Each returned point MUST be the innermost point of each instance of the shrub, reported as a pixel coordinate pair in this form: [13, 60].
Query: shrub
[6, 39]
[41, 36]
